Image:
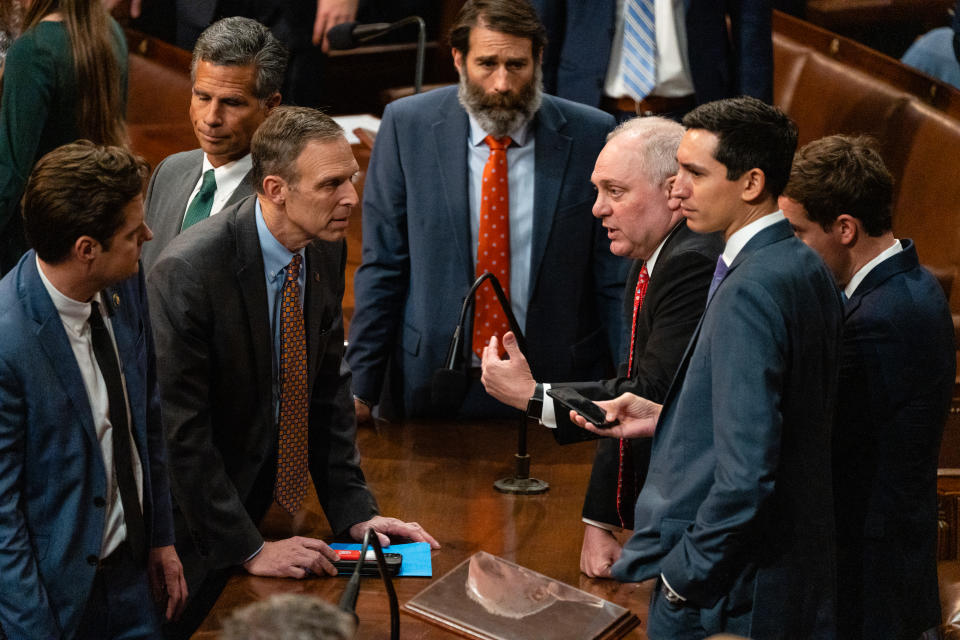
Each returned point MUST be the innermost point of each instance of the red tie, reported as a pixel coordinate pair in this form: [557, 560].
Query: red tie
[626, 479]
[493, 247]
[291, 485]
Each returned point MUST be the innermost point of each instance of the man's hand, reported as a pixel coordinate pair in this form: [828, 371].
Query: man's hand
[295, 557]
[599, 551]
[392, 527]
[364, 414]
[509, 381]
[638, 417]
[330, 13]
[167, 583]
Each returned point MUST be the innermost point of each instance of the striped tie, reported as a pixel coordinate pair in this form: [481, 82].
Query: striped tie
[639, 48]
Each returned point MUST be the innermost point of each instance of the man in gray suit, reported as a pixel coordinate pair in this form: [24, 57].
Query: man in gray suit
[249, 328]
[237, 71]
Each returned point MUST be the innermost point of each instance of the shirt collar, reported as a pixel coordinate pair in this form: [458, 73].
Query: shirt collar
[651, 262]
[276, 257]
[862, 273]
[233, 171]
[73, 313]
[739, 239]
[519, 136]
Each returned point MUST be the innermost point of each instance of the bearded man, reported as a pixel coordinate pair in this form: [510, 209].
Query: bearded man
[488, 176]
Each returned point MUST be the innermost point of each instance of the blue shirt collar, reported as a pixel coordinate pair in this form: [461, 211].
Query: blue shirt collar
[276, 257]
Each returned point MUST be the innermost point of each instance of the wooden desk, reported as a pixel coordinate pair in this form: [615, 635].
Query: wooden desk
[441, 475]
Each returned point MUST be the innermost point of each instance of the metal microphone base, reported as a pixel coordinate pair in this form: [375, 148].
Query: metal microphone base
[521, 483]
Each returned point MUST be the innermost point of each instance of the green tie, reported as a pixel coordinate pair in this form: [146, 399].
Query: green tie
[199, 209]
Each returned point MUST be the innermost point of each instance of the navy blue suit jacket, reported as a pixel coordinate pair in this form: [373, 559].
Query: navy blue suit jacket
[737, 510]
[418, 263]
[896, 381]
[581, 34]
[52, 477]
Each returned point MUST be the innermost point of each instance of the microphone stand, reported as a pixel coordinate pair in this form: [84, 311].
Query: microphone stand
[421, 45]
[348, 601]
[520, 483]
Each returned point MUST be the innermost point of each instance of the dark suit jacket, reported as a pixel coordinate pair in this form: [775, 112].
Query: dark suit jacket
[216, 369]
[896, 381]
[581, 35]
[165, 205]
[676, 295]
[736, 509]
[418, 263]
[52, 475]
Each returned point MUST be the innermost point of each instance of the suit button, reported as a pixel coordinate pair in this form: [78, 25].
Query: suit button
[92, 560]
[99, 502]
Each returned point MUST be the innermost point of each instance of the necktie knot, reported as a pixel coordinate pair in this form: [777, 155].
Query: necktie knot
[497, 144]
[209, 182]
[293, 269]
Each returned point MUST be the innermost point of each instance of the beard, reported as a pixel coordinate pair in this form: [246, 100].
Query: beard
[501, 114]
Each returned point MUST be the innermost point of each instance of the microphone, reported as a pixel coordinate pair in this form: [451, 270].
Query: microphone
[449, 384]
[348, 601]
[350, 35]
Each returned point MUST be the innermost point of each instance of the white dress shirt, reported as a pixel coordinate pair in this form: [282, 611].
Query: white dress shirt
[228, 177]
[861, 273]
[75, 316]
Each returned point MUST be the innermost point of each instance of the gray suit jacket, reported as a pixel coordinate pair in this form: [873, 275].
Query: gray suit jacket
[170, 187]
[215, 365]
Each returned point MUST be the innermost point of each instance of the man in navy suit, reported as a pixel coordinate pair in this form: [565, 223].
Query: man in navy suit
[663, 302]
[85, 513]
[896, 380]
[735, 518]
[421, 221]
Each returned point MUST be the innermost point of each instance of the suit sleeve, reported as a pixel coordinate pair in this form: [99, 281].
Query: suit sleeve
[162, 511]
[380, 284]
[25, 610]
[182, 314]
[672, 320]
[748, 366]
[334, 458]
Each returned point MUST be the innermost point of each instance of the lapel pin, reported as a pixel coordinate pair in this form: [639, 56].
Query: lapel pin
[116, 299]
[316, 277]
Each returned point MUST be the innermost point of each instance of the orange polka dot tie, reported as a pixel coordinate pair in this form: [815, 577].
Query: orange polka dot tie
[291, 486]
[493, 248]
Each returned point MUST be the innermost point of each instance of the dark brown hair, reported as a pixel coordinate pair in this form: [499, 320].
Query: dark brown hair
[100, 116]
[843, 174]
[513, 17]
[79, 189]
[281, 138]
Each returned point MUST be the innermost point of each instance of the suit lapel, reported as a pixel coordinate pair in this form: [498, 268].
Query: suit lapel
[243, 190]
[550, 161]
[52, 338]
[450, 139]
[903, 261]
[317, 286]
[183, 191]
[253, 290]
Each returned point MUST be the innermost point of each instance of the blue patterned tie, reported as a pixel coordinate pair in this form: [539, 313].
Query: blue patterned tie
[718, 275]
[639, 48]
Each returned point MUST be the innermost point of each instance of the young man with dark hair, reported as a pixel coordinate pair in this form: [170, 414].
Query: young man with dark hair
[735, 516]
[85, 514]
[896, 381]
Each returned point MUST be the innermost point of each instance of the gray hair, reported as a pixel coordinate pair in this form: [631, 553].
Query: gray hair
[280, 140]
[239, 41]
[660, 138]
[289, 617]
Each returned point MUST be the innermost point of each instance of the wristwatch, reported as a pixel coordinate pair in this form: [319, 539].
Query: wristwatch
[535, 403]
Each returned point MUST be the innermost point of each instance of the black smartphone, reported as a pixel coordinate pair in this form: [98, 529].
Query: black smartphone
[572, 399]
[350, 557]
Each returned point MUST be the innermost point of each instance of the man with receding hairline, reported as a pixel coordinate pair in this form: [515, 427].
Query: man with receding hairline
[249, 328]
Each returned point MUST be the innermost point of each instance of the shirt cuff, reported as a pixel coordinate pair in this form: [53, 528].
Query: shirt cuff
[254, 554]
[667, 585]
[612, 528]
[548, 415]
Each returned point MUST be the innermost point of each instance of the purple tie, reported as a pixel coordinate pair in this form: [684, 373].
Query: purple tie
[718, 275]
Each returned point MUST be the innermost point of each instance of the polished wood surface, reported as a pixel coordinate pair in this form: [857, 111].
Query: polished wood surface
[441, 475]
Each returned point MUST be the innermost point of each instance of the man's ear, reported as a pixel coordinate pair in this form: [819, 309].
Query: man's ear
[754, 182]
[275, 189]
[457, 59]
[273, 101]
[86, 249]
[847, 228]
